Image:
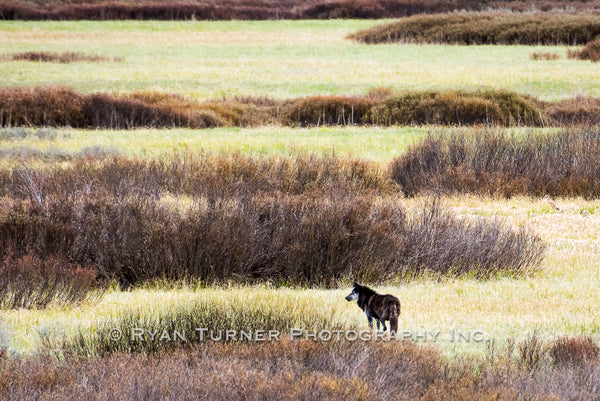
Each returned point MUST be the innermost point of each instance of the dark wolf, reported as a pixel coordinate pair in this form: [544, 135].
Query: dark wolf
[376, 306]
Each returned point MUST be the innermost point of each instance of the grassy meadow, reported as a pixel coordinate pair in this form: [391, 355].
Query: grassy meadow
[279, 59]
[559, 299]
[284, 59]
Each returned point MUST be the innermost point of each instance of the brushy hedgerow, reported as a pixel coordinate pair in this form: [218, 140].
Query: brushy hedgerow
[265, 9]
[486, 29]
[301, 369]
[58, 106]
[317, 224]
[566, 163]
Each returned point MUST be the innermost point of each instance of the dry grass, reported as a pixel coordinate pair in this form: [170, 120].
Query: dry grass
[296, 370]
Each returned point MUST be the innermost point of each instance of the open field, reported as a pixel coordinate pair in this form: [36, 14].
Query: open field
[279, 59]
[120, 217]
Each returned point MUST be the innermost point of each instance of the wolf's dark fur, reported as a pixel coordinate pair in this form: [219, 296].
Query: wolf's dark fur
[376, 306]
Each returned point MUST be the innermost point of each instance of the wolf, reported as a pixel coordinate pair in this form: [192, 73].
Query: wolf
[376, 306]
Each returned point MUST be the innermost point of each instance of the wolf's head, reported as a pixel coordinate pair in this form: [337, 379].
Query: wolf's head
[353, 296]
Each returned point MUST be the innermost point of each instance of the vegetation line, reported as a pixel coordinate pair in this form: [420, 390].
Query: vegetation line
[486, 29]
[264, 9]
[59, 106]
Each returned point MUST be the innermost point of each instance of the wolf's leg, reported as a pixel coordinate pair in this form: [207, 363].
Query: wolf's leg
[383, 324]
[377, 324]
[370, 320]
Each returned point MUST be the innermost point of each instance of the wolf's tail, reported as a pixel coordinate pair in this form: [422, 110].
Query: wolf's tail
[394, 312]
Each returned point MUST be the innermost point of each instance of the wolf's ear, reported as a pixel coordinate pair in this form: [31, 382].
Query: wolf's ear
[356, 284]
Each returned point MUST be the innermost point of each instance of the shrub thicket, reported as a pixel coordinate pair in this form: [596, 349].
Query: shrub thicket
[267, 10]
[494, 163]
[309, 223]
[57, 106]
[486, 28]
[31, 282]
[573, 351]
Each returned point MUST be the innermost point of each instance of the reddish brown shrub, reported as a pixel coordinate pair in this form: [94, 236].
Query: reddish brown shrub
[106, 111]
[53, 106]
[57, 106]
[486, 28]
[591, 51]
[31, 282]
[544, 56]
[492, 163]
[328, 110]
[577, 111]
[571, 351]
[265, 9]
[300, 221]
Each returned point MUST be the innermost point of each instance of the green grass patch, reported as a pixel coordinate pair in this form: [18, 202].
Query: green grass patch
[372, 143]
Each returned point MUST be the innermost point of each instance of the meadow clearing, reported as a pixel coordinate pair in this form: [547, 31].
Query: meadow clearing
[284, 59]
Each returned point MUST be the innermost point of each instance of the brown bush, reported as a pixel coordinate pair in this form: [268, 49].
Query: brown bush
[457, 108]
[486, 28]
[267, 10]
[278, 370]
[580, 110]
[106, 111]
[328, 110]
[56, 106]
[31, 282]
[297, 221]
[591, 51]
[291, 370]
[65, 57]
[544, 56]
[53, 106]
[571, 351]
[492, 163]
[380, 107]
